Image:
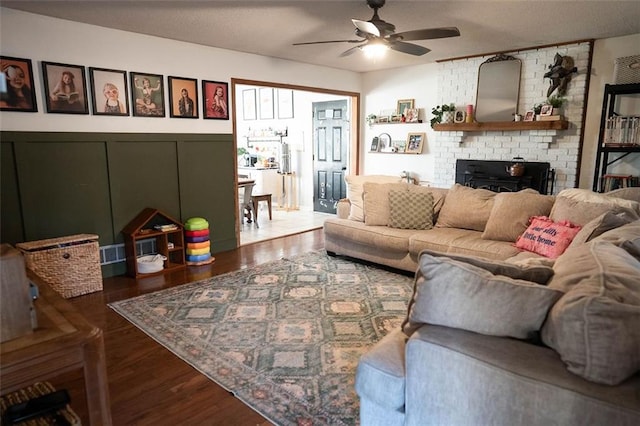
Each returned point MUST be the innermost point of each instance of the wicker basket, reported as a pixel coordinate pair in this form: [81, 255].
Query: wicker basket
[71, 265]
[38, 389]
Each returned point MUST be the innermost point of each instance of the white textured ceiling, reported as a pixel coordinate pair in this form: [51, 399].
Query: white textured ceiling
[269, 27]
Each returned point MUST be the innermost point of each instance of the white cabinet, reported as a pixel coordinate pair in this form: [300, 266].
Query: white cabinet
[268, 181]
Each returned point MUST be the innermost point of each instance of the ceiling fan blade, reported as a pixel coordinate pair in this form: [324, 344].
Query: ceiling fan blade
[366, 27]
[327, 41]
[427, 34]
[348, 52]
[410, 48]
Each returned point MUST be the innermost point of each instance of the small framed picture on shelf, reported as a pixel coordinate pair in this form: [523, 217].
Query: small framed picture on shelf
[459, 116]
[19, 94]
[546, 110]
[400, 146]
[411, 115]
[403, 105]
[415, 141]
[375, 144]
[384, 141]
[529, 115]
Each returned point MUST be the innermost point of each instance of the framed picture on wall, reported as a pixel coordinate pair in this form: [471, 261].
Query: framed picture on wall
[65, 88]
[215, 100]
[546, 110]
[403, 105]
[285, 103]
[249, 104]
[183, 97]
[17, 93]
[109, 92]
[147, 94]
[415, 141]
[266, 103]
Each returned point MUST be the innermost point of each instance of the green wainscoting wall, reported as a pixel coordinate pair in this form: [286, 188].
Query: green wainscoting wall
[56, 184]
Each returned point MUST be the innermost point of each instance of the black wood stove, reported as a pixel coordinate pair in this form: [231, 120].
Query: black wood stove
[494, 176]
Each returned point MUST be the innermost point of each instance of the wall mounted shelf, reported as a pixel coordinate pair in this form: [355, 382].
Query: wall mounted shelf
[395, 122]
[502, 125]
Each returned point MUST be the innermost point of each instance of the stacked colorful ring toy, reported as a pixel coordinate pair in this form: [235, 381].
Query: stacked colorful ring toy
[196, 237]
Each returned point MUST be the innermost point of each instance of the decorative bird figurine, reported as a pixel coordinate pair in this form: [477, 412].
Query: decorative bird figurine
[560, 74]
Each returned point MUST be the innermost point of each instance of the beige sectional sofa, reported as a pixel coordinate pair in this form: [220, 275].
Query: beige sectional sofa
[465, 221]
[496, 335]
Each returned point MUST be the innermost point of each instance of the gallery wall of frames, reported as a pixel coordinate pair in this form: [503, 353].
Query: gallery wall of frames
[71, 89]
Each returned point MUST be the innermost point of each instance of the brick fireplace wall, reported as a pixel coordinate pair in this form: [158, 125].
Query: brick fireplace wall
[457, 83]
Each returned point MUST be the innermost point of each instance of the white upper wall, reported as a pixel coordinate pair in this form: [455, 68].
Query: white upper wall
[381, 91]
[56, 40]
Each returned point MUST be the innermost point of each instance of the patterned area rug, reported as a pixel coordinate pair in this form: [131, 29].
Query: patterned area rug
[285, 337]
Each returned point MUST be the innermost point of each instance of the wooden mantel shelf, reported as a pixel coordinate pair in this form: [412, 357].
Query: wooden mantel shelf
[502, 125]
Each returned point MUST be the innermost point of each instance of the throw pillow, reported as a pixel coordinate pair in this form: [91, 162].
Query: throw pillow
[409, 210]
[537, 273]
[466, 208]
[354, 192]
[594, 326]
[459, 295]
[511, 212]
[600, 225]
[582, 212]
[578, 194]
[546, 237]
[376, 200]
[630, 193]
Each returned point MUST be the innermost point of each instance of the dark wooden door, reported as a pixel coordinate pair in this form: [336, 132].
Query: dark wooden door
[330, 149]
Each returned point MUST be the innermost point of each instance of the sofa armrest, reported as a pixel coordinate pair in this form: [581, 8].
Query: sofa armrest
[502, 379]
[343, 209]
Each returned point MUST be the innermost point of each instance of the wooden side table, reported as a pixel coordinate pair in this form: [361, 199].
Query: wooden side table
[64, 341]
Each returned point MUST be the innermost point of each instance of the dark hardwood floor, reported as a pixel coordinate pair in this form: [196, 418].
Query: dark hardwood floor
[149, 385]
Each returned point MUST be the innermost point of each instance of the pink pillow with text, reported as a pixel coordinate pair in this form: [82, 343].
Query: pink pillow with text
[546, 237]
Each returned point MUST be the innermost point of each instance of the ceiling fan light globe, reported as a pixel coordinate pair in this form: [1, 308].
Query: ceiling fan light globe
[374, 50]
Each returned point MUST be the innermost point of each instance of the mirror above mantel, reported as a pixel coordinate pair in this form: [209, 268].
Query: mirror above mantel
[498, 89]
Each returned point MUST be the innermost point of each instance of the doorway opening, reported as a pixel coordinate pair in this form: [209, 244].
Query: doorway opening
[276, 135]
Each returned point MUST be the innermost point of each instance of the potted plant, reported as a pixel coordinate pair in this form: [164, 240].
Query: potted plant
[442, 114]
[556, 102]
[371, 118]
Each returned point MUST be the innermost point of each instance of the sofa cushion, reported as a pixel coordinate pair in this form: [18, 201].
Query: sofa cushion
[621, 235]
[537, 273]
[546, 237]
[380, 376]
[354, 191]
[511, 212]
[376, 199]
[459, 241]
[466, 208]
[410, 210]
[377, 237]
[630, 193]
[459, 295]
[595, 325]
[583, 212]
[585, 195]
[601, 224]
